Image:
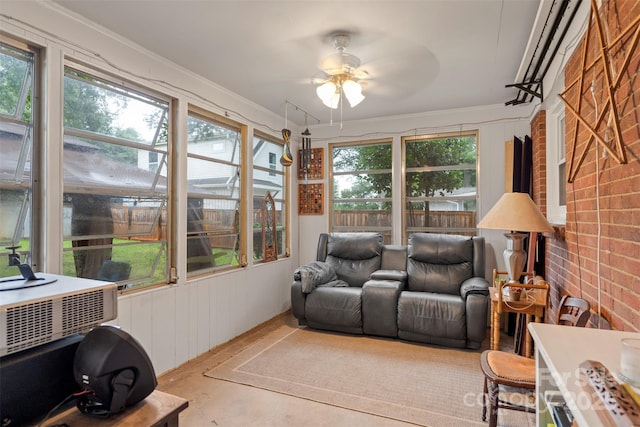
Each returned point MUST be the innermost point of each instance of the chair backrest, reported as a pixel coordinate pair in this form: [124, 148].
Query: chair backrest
[354, 256]
[440, 262]
[114, 271]
[573, 311]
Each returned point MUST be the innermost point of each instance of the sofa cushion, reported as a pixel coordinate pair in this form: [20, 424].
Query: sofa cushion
[429, 314]
[354, 245]
[335, 306]
[438, 263]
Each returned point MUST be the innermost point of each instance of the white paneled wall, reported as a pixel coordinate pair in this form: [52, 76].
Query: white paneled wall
[178, 323]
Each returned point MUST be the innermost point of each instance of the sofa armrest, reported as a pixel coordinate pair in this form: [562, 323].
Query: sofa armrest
[474, 285]
[399, 275]
[298, 299]
[314, 274]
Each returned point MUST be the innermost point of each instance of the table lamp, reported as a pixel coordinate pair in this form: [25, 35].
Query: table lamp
[515, 212]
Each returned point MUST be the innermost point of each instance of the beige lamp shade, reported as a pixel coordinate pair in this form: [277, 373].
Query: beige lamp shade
[516, 212]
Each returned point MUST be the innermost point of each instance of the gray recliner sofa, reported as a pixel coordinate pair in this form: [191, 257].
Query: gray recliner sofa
[433, 290]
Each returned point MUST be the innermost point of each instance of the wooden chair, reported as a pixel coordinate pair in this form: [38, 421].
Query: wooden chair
[501, 368]
[573, 312]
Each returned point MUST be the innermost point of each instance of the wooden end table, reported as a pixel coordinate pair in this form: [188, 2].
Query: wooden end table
[159, 409]
[533, 302]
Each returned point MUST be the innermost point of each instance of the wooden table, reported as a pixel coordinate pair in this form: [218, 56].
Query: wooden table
[533, 302]
[159, 409]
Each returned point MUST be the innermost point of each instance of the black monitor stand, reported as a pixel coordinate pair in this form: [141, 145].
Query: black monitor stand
[28, 278]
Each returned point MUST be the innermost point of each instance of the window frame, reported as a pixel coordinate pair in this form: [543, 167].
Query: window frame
[472, 231]
[556, 139]
[284, 199]
[118, 85]
[386, 231]
[34, 254]
[205, 115]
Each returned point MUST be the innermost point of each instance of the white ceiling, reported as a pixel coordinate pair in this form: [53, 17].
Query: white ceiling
[421, 55]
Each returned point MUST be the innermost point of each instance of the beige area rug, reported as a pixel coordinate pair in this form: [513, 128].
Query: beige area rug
[425, 385]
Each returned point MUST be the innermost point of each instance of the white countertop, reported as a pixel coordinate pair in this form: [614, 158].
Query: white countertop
[563, 348]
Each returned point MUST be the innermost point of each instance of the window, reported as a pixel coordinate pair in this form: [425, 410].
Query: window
[17, 145]
[556, 165]
[153, 161]
[269, 177]
[214, 206]
[361, 187]
[272, 163]
[561, 164]
[440, 188]
[115, 198]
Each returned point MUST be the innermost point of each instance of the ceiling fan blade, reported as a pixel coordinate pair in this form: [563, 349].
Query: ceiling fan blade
[361, 74]
[318, 80]
[395, 79]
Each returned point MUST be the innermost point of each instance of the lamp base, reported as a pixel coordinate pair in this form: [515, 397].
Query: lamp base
[514, 255]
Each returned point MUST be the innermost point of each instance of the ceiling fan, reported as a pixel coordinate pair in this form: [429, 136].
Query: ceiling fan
[343, 75]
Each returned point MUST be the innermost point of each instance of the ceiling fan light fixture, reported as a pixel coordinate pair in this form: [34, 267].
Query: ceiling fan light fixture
[342, 71]
[353, 92]
[328, 93]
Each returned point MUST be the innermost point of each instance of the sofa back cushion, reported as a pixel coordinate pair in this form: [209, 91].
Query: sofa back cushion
[438, 262]
[354, 256]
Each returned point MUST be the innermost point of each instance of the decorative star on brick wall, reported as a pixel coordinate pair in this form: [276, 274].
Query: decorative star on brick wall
[603, 64]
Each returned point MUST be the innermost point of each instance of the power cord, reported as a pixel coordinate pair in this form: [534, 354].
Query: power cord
[64, 401]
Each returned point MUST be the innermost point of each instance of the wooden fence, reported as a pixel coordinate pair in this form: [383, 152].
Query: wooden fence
[141, 223]
[382, 218]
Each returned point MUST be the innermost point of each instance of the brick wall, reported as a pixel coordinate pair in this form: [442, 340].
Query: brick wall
[539, 138]
[599, 258]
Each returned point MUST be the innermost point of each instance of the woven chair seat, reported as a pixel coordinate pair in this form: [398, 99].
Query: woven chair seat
[509, 369]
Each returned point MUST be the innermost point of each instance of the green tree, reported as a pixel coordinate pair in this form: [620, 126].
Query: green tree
[87, 107]
[14, 66]
[365, 158]
[362, 189]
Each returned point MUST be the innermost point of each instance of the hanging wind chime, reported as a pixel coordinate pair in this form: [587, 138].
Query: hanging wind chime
[306, 150]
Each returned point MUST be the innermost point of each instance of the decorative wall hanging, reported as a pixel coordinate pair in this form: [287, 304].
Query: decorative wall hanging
[269, 238]
[286, 159]
[310, 199]
[611, 84]
[314, 169]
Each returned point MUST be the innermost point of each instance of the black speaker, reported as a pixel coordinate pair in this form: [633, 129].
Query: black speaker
[114, 371]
